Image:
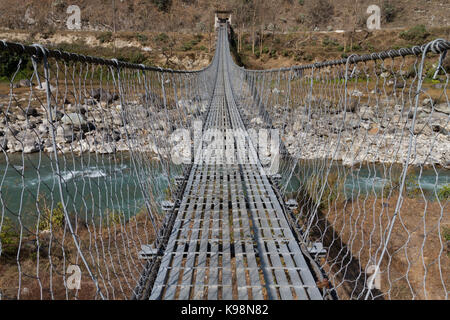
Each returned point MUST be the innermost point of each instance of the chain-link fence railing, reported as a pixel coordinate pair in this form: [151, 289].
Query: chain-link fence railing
[366, 156]
[89, 163]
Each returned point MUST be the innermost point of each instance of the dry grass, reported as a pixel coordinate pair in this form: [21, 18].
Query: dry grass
[413, 267]
[115, 264]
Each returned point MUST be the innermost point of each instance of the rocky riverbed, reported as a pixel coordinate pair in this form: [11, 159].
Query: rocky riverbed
[366, 134]
[99, 124]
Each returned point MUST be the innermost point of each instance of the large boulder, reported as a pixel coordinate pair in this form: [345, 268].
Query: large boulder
[443, 108]
[74, 119]
[44, 85]
[30, 142]
[31, 112]
[64, 135]
[104, 95]
[54, 114]
[3, 143]
[25, 83]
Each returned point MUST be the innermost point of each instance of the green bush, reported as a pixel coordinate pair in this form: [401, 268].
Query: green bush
[416, 34]
[114, 218]
[186, 46]
[137, 58]
[356, 47]
[329, 42]
[9, 64]
[389, 11]
[321, 11]
[412, 186]
[163, 5]
[105, 37]
[446, 233]
[142, 38]
[9, 238]
[197, 38]
[52, 219]
[309, 57]
[162, 37]
[444, 192]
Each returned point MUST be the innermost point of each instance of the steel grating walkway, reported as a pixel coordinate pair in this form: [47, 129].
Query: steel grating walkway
[231, 239]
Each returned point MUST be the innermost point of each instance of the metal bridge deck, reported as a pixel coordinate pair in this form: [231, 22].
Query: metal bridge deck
[231, 239]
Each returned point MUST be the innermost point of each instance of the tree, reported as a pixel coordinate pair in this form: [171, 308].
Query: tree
[321, 11]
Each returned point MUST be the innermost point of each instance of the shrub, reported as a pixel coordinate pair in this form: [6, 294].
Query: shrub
[162, 37]
[52, 219]
[444, 192]
[142, 38]
[412, 186]
[186, 46]
[163, 5]
[114, 218]
[198, 37]
[417, 33]
[389, 11]
[301, 19]
[9, 238]
[321, 11]
[105, 37]
[329, 42]
[9, 63]
[446, 233]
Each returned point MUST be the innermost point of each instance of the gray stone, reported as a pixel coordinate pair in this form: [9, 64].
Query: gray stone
[440, 129]
[32, 147]
[74, 119]
[3, 143]
[31, 112]
[43, 128]
[443, 108]
[64, 135]
[25, 83]
[56, 115]
[104, 95]
[399, 85]
[43, 87]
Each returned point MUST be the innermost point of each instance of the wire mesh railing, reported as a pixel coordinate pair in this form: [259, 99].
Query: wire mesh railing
[365, 147]
[88, 156]
[91, 149]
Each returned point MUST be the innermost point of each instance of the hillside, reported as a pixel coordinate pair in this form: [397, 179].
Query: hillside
[196, 15]
[179, 34]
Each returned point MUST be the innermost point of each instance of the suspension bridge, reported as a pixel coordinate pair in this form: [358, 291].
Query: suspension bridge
[313, 182]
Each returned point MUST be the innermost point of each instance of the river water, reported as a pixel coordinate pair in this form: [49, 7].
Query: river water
[94, 185]
[91, 185]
